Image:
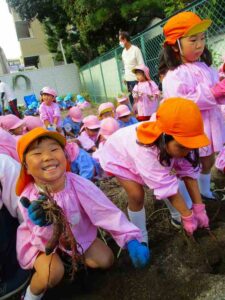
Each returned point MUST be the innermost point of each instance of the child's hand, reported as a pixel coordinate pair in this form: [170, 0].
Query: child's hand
[200, 215]
[139, 253]
[219, 89]
[36, 212]
[190, 224]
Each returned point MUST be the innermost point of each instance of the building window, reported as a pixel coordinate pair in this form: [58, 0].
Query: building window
[31, 61]
[22, 29]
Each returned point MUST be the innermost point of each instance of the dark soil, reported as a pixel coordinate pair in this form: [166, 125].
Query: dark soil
[181, 268]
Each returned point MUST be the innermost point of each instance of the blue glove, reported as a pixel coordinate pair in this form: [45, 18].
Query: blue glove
[36, 212]
[139, 253]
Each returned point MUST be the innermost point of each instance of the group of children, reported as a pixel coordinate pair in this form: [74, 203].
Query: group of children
[171, 151]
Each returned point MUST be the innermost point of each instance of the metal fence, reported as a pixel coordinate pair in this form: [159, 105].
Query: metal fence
[102, 78]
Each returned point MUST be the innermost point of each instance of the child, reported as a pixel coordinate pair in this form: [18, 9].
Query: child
[32, 122]
[81, 162]
[49, 110]
[106, 110]
[189, 75]
[81, 102]
[145, 93]
[13, 125]
[32, 109]
[89, 133]
[44, 163]
[124, 116]
[68, 101]
[74, 118]
[108, 127]
[124, 100]
[61, 103]
[157, 154]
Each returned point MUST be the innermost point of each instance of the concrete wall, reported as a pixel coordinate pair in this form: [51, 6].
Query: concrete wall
[64, 79]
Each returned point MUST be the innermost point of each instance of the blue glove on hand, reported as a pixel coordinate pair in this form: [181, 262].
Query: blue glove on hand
[36, 212]
[139, 253]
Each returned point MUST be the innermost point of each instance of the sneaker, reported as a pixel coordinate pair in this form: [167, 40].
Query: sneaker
[216, 197]
[175, 223]
[15, 284]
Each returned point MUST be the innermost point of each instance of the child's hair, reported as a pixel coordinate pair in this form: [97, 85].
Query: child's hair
[170, 60]
[124, 35]
[165, 159]
[142, 73]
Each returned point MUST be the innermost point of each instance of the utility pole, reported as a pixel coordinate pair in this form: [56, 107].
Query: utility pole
[63, 52]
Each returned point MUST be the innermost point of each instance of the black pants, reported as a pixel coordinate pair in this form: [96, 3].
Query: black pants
[13, 106]
[8, 259]
[130, 86]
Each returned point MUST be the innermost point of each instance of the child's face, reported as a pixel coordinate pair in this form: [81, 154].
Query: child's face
[92, 132]
[125, 119]
[18, 131]
[47, 99]
[174, 149]
[107, 115]
[140, 76]
[46, 162]
[192, 47]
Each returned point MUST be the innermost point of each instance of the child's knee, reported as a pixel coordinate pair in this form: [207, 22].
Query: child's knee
[54, 276]
[107, 260]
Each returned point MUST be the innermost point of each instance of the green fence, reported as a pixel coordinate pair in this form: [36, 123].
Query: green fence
[102, 78]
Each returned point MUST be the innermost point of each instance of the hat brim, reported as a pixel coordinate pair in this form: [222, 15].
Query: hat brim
[198, 28]
[195, 142]
[148, 132]
[18, 124]
[124, 115]
[76, 120]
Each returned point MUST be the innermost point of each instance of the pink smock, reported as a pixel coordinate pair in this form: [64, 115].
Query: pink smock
[194, 81]
[8, 144]
[123, 157]
[86, 208]
[220, 161]
[49, 112]
[145, 105]
[86, 141]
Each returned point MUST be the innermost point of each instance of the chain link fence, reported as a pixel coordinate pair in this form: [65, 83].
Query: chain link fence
[102, 78]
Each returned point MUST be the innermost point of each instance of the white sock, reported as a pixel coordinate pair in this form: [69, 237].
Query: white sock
[173, 212]
[30, 296]
[138, 218]
[204, 185]
[185, 194]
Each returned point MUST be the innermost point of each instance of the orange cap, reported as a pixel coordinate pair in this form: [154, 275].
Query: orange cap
[184, 24]
[22, 145]
[178, 117]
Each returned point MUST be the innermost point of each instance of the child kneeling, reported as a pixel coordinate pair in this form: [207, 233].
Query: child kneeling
[44, 164]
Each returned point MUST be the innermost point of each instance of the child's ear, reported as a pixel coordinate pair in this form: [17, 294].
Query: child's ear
[175, 48]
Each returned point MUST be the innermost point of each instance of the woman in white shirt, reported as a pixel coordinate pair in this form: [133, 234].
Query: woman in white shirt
[131, 57]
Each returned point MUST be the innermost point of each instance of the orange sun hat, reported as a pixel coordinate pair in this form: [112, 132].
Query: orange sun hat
[182, 25]
[23, 144]
[178, 117]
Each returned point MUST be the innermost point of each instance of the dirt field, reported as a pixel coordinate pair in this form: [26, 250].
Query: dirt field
[180, 269]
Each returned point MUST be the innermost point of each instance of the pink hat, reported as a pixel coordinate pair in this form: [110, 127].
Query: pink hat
[10, 122]
[143, 68]
[105, 107]
[122, 99]
[122, 111]
[32, 122]
[8, 144]
[75, 114]
[91, 122]
[48, 90]
[108, 127]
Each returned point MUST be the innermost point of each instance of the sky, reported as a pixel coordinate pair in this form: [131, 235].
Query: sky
[8, 38]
